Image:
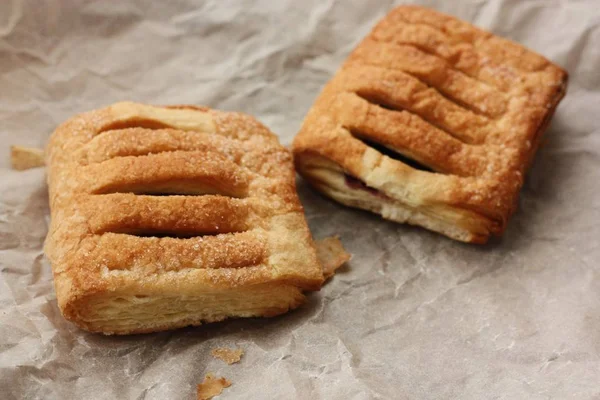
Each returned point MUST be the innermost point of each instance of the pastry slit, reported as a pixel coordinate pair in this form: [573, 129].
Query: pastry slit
[135, 122]
[390, 152]
[407, 134]
[475, 95]
[192, 193]
[478, 42]
[127, 115]
[446, 91]
[161, 234]
[379, 101]
[443, 49]
[386, 104]
[406, 92]
[462, 103]
[432, 53]
[180, 187]
[178, 172]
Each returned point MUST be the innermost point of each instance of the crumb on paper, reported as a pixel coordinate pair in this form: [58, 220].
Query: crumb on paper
[331, 255]
[211, 387]
[22, 158]
[230, 356]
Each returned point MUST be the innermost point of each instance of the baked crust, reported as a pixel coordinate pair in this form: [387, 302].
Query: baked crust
[468, 106]
[164, 217]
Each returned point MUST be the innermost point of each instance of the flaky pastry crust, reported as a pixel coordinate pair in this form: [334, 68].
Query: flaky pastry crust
[468, 107]
[164, 217]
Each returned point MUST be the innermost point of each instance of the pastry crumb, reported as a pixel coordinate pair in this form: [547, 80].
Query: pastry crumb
[22, 158]
[331, 255]
[230, 356]
[211, 387]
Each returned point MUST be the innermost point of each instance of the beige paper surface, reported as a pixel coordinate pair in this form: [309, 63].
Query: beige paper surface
[413, 315]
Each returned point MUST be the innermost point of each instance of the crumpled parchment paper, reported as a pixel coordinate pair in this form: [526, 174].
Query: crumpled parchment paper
[413, 315]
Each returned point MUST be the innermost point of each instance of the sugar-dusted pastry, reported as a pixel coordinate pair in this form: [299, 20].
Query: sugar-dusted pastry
[164, 217]
[431, 121]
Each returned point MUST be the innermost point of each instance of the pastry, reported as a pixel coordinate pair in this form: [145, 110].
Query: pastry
[23, 158]
[230, 356]
[211, 387]
[164, 217]
[430, 121]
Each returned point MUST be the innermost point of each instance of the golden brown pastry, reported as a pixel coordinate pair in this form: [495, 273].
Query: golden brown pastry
[23, 158]
[431, 121]
[230, 356]
[211, 387]
[164, 217]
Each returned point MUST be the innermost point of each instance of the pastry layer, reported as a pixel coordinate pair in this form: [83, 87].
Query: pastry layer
[125, 313]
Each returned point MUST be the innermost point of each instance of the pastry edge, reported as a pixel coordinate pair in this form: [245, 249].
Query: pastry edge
[81, 306]
[393, 209]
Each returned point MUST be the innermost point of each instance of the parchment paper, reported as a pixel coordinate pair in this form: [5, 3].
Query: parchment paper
[413, 316]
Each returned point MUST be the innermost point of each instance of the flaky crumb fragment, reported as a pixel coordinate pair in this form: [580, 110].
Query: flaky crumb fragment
[22, 158]
[211, 387]
[331, 255]
[230, 356]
